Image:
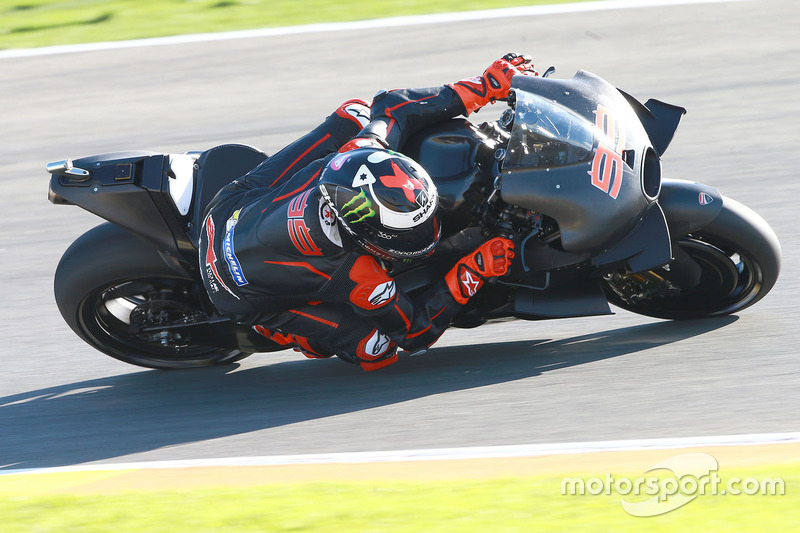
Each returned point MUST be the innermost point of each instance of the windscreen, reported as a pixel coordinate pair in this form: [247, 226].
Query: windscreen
[546, 134]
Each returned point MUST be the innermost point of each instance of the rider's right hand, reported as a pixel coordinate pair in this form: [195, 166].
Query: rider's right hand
[495, 82]
[522, 63]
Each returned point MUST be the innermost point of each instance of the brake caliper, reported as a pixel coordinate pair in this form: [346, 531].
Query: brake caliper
[640, 286]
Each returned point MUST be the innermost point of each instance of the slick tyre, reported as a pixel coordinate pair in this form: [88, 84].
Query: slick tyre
[106, 276]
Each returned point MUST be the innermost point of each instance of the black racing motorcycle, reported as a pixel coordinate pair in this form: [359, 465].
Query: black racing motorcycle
[571, 172]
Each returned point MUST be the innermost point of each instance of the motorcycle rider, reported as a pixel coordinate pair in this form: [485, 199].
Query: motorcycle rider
[297, 247]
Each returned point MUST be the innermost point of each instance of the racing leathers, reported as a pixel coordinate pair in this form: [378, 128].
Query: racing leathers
[274, 256]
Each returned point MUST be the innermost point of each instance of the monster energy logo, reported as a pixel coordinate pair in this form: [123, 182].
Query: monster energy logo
[359, 210]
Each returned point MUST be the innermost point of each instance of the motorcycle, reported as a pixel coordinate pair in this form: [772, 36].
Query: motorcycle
[571, 172]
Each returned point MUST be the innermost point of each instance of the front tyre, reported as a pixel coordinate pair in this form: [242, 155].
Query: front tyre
[108, 279]
[728, 265]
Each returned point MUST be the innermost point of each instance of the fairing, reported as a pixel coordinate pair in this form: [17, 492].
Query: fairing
[579, 154]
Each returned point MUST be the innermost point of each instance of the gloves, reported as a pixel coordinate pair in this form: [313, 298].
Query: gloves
[494, 84]
[490, 259]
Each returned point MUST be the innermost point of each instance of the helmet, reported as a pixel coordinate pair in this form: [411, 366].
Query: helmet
[384, 200]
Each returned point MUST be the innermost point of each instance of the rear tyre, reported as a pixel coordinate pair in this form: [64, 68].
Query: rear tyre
[108, 277]
[739, 257]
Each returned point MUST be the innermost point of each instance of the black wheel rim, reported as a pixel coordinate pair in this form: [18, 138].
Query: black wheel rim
[731, 278]
[105, 315]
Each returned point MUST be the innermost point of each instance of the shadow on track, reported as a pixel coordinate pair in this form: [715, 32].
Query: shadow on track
[121, 415]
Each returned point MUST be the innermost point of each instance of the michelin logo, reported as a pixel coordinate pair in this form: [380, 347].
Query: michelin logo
[234, 266]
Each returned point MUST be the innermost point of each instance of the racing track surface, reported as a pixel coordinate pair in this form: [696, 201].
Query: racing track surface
[734, 66]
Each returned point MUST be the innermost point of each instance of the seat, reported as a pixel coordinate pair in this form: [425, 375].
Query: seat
[216, 168]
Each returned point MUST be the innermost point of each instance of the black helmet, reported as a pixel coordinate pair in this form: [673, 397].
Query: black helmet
[384, 200]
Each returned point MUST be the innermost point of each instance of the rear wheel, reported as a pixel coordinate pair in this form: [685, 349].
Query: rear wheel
[723, 268]
[118, 295]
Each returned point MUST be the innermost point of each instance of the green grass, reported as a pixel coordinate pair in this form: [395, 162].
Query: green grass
[33, 23]
[521, 504]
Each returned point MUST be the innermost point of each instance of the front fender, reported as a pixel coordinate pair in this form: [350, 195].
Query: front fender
[688, 206]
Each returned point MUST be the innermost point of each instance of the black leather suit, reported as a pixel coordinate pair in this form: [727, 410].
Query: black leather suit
[278, 261]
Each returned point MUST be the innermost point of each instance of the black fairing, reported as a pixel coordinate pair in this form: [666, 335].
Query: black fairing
[639, 250]
[128, 189]
[132, 190]
[590, 218]
[568, 294]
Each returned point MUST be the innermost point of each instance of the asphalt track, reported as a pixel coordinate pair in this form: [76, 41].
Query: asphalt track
[734, 66]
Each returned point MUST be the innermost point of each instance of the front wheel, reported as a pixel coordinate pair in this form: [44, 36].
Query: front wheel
[114, 290]
[728, 265]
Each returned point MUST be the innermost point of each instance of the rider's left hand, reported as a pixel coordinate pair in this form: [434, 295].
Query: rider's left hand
[491, 259]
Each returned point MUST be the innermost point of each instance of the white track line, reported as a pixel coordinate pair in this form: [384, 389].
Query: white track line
[438, 454]
[439, 18]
